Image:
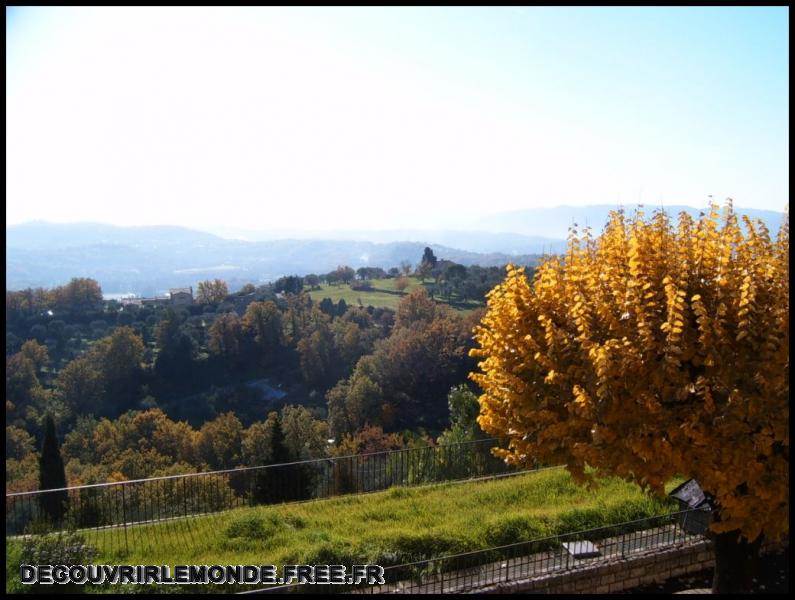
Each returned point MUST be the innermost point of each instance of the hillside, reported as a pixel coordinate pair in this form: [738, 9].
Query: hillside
[473, 240]
[382, 295]
[149, 260]
[146, 260]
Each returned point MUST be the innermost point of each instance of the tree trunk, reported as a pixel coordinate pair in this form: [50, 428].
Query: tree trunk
[736, 561]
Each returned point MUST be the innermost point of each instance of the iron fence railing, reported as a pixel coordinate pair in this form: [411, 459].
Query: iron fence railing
[122, 510]
[482, 569]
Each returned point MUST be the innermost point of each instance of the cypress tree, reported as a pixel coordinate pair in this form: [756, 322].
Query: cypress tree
[428, 257]
[279, 451]
[52, 475]
[271, 484]
[282, 477]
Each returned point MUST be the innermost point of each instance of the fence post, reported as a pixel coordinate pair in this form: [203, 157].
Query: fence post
[124, 517]
[441, 569]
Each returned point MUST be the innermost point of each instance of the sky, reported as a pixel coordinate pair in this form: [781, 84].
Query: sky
[380, 118]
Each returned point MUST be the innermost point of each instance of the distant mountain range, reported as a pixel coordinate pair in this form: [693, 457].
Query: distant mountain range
[472, 241]
[149, 260]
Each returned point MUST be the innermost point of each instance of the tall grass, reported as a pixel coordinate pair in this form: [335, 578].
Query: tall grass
[387, 528]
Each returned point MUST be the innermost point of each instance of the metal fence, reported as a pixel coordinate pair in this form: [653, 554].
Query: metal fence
[120, 512]
[471, 571]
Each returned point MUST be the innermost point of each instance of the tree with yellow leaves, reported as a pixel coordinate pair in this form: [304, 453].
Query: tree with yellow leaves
[211, 292]
[652, 351]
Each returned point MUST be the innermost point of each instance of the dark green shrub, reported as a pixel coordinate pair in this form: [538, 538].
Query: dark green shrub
[295, 521]
[425, 545]
[60, 548]
[335, 553]
[580, 519]
[514, 529]
[253, 526]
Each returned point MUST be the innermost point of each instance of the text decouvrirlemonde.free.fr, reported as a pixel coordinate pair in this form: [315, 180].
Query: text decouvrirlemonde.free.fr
[200, 574]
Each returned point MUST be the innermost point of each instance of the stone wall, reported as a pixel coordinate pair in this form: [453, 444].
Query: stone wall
[622, 574]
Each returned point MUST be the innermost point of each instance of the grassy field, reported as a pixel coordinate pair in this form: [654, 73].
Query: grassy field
[393, 527]
[383, 294]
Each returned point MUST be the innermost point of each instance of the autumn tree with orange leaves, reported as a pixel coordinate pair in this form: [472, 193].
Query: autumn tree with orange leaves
[655, 350]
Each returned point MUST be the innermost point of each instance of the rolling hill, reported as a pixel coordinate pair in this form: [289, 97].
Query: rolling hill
[149, 260]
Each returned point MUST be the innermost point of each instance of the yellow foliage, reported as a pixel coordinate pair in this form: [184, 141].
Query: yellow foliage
[601, 360]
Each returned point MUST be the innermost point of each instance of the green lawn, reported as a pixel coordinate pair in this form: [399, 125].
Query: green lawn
[383, 294]
[393, 527]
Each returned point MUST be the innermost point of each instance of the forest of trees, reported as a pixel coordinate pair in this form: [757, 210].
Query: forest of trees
[136, 391]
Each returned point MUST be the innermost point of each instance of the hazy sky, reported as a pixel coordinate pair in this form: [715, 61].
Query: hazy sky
[381, 118]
